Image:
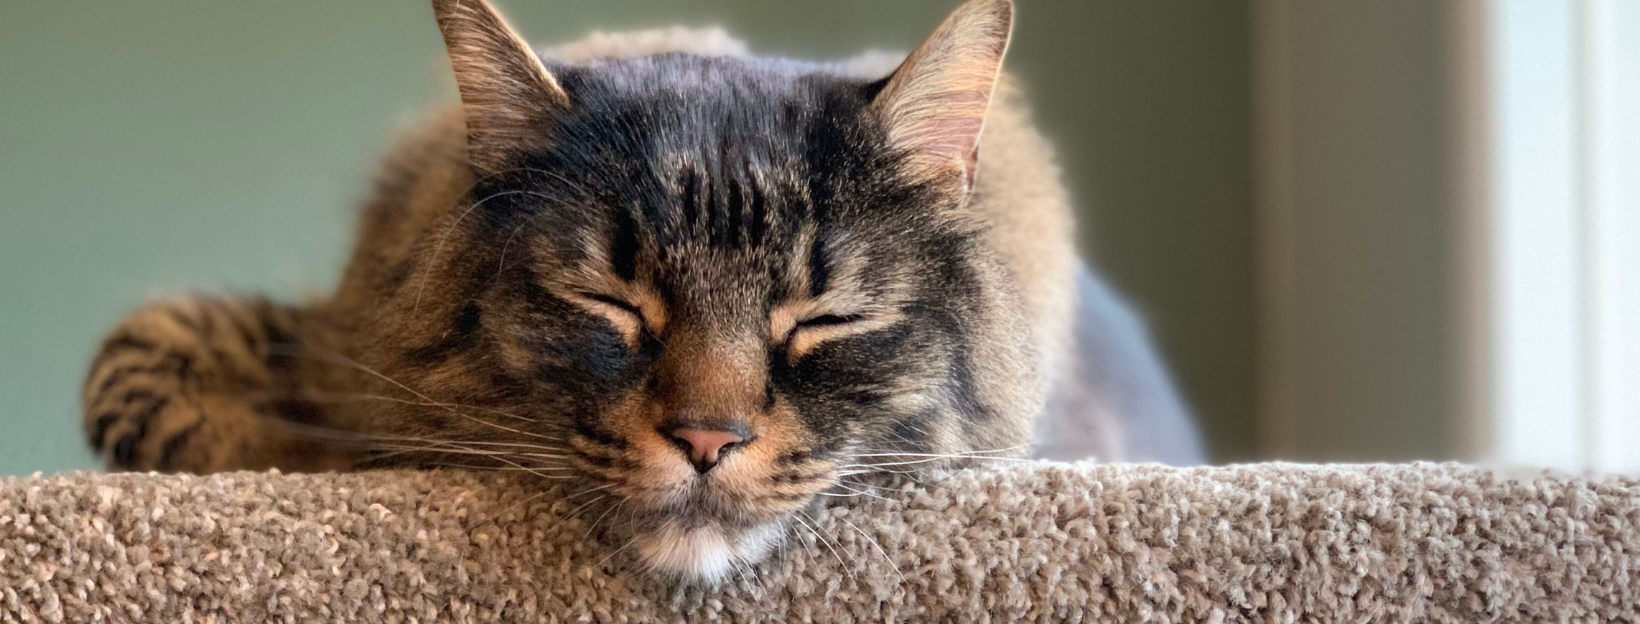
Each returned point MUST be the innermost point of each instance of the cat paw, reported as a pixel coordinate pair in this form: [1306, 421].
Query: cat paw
[141, 430]
[170, 389]
[147, 428]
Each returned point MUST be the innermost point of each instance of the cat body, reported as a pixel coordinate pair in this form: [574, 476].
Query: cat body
[710, 287]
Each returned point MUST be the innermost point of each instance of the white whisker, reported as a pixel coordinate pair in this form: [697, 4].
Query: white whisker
[595, 523]
[866, 492]
[452, 448]
[584, 505]
[931, 458]
[629, 543]
[585, 492]
[521, 503]
[814, 528]
[963, 455]
[344, 360]
[493, 469]
[473, 444]
[427, 273]
[356, 396]
[879, 548]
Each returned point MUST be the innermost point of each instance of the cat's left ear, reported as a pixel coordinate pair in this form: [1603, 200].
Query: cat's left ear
[508, 96]
[935, 103]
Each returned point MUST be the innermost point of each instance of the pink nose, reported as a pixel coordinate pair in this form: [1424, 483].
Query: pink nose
[704, 446]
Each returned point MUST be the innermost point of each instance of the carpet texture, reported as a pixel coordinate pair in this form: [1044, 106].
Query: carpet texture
[1030, 542]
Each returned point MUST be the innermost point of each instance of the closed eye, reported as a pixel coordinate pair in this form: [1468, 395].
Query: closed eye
[627, 318]
[810, 332]
[611, 301]
[829, 320]
[799, 327]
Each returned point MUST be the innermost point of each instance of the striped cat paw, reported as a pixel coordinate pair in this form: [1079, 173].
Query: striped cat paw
[147, 427]
[174, 389]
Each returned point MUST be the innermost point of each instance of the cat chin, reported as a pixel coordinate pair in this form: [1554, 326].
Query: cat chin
[705, 553]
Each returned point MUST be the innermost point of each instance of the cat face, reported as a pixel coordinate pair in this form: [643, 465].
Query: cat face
[754, 273]
[712, 288]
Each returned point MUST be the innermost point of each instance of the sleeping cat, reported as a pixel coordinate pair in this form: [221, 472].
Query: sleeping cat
[709, 286]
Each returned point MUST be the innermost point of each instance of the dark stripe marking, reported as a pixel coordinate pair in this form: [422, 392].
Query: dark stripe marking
[99, 429]
[819, 267]
[623, 246]
[177, 364]
[125, 449]
[167, 454]
[125, 342]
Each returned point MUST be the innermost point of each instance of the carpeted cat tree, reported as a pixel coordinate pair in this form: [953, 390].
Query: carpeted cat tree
[1028, 542]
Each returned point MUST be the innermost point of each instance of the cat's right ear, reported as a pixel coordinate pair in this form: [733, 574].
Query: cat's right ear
[507, 95]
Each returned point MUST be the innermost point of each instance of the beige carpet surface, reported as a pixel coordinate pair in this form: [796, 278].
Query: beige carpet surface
[1030, 542]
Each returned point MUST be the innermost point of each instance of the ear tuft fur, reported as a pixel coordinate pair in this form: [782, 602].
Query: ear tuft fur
[508, 96]
[935, 103]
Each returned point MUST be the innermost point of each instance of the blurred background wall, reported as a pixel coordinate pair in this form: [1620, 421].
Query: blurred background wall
[1286, 189]
[1354, 214]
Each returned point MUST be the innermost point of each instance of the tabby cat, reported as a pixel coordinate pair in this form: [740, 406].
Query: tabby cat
[710, 286]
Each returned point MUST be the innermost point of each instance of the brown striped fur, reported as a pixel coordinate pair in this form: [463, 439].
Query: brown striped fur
[465, 334]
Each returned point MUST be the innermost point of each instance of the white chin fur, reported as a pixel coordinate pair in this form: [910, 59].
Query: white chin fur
[704, 553]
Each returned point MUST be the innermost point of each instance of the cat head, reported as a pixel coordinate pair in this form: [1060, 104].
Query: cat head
[714, 288]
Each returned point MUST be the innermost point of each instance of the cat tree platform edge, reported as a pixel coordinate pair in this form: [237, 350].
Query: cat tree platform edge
[1024, 542]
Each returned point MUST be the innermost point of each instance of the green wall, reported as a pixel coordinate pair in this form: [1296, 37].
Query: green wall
[167, 146]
